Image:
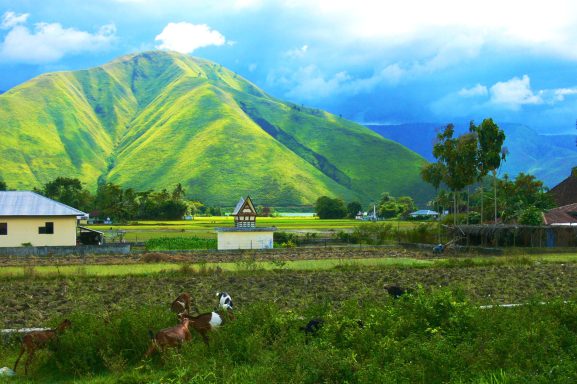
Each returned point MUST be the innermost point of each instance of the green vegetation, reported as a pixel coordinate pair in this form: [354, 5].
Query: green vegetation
[246, 264]
[241, 265]
[465, 161]
[432, 337]
[179, 243]
[152, 120]
[327, 208]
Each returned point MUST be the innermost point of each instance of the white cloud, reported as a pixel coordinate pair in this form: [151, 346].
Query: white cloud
[11, 19]
[242, 4]
[298, 52]
[514, 93]
[477, 90]
[309, 83]
[49, 42]
[560, 94]
[186, 37]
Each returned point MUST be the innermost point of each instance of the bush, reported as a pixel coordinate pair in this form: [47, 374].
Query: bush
[179, 244]
[284, 237]
[531, 216]
[372, 233]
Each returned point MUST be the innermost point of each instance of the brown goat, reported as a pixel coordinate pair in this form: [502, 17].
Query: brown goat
[181, 304]
[169, 337]
[39, 339]
[205, 323]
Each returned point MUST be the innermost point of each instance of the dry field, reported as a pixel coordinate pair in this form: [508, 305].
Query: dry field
[32, 300]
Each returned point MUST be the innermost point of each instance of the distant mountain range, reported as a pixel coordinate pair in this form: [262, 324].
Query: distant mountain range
[155, 119]
[548, 157]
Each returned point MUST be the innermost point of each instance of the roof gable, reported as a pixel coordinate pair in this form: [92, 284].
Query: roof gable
[26, 203]
[244, 207]
[565, 192]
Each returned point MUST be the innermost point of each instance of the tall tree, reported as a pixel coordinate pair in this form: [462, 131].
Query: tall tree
[3, 186]
[178, 193]
[68, 191]
[524, 194]
[490, 153]
[457, 157]
[353, 208]
[327, 208]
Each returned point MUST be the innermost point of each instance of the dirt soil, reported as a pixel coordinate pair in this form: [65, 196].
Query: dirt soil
[35, 301]
[284, 254]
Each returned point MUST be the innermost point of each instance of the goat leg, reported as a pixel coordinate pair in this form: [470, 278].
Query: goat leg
[22, 350]
[28, 361]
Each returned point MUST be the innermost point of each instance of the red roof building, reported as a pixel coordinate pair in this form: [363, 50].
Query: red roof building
[565, 215]
[565, 193]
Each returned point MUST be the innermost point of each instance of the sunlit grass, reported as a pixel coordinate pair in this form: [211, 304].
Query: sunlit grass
[204, 227]
[239, 266]
[247, 264]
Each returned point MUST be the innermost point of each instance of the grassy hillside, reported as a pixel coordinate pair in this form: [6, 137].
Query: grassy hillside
[548, 157]
[152, 120]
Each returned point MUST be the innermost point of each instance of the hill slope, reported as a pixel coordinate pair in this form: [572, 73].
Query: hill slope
[548, 157]
[151, 120]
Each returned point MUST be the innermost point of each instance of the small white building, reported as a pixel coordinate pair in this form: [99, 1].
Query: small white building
[27, 218]
[245, 234]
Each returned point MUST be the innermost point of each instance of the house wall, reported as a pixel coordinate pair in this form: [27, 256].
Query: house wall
[26, 230]
[244, 240]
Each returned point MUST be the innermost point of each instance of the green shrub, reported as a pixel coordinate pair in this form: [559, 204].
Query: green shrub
[179, 244]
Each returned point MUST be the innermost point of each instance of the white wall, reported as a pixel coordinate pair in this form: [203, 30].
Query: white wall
[25, 230]
[245, 240]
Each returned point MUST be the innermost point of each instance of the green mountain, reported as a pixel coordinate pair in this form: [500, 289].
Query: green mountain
[155, 119]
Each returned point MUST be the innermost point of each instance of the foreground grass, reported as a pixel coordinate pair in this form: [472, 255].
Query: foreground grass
[427, 337]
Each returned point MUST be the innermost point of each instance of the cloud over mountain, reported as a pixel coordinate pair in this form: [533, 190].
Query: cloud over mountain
[187, 37]
[48, 42]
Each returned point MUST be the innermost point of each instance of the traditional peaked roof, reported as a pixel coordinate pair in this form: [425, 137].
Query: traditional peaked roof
[565, 215]
[244, 206]
[26, 203]
[565, 192]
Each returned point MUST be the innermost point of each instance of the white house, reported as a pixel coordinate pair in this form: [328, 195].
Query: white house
[27, 218]
[245, 234]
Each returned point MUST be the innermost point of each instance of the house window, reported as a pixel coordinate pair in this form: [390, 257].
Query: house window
[3, 228]
[47, 229]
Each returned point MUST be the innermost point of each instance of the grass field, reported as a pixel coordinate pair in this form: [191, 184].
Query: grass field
[437, 334]
[246, 265]
[204, 227]
[146, 269]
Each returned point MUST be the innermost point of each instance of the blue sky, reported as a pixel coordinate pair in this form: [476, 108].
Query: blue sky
[370, 61]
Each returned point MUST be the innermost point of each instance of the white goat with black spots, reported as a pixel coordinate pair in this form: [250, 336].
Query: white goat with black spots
[225, 303]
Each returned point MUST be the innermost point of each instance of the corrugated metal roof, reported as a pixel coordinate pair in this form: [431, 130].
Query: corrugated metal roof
[26, 203]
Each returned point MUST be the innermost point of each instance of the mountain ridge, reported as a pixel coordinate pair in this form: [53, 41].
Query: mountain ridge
[154, 119]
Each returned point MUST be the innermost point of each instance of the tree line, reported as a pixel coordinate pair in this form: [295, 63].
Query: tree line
[387, 207]
[120, 204]
[466, 161]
